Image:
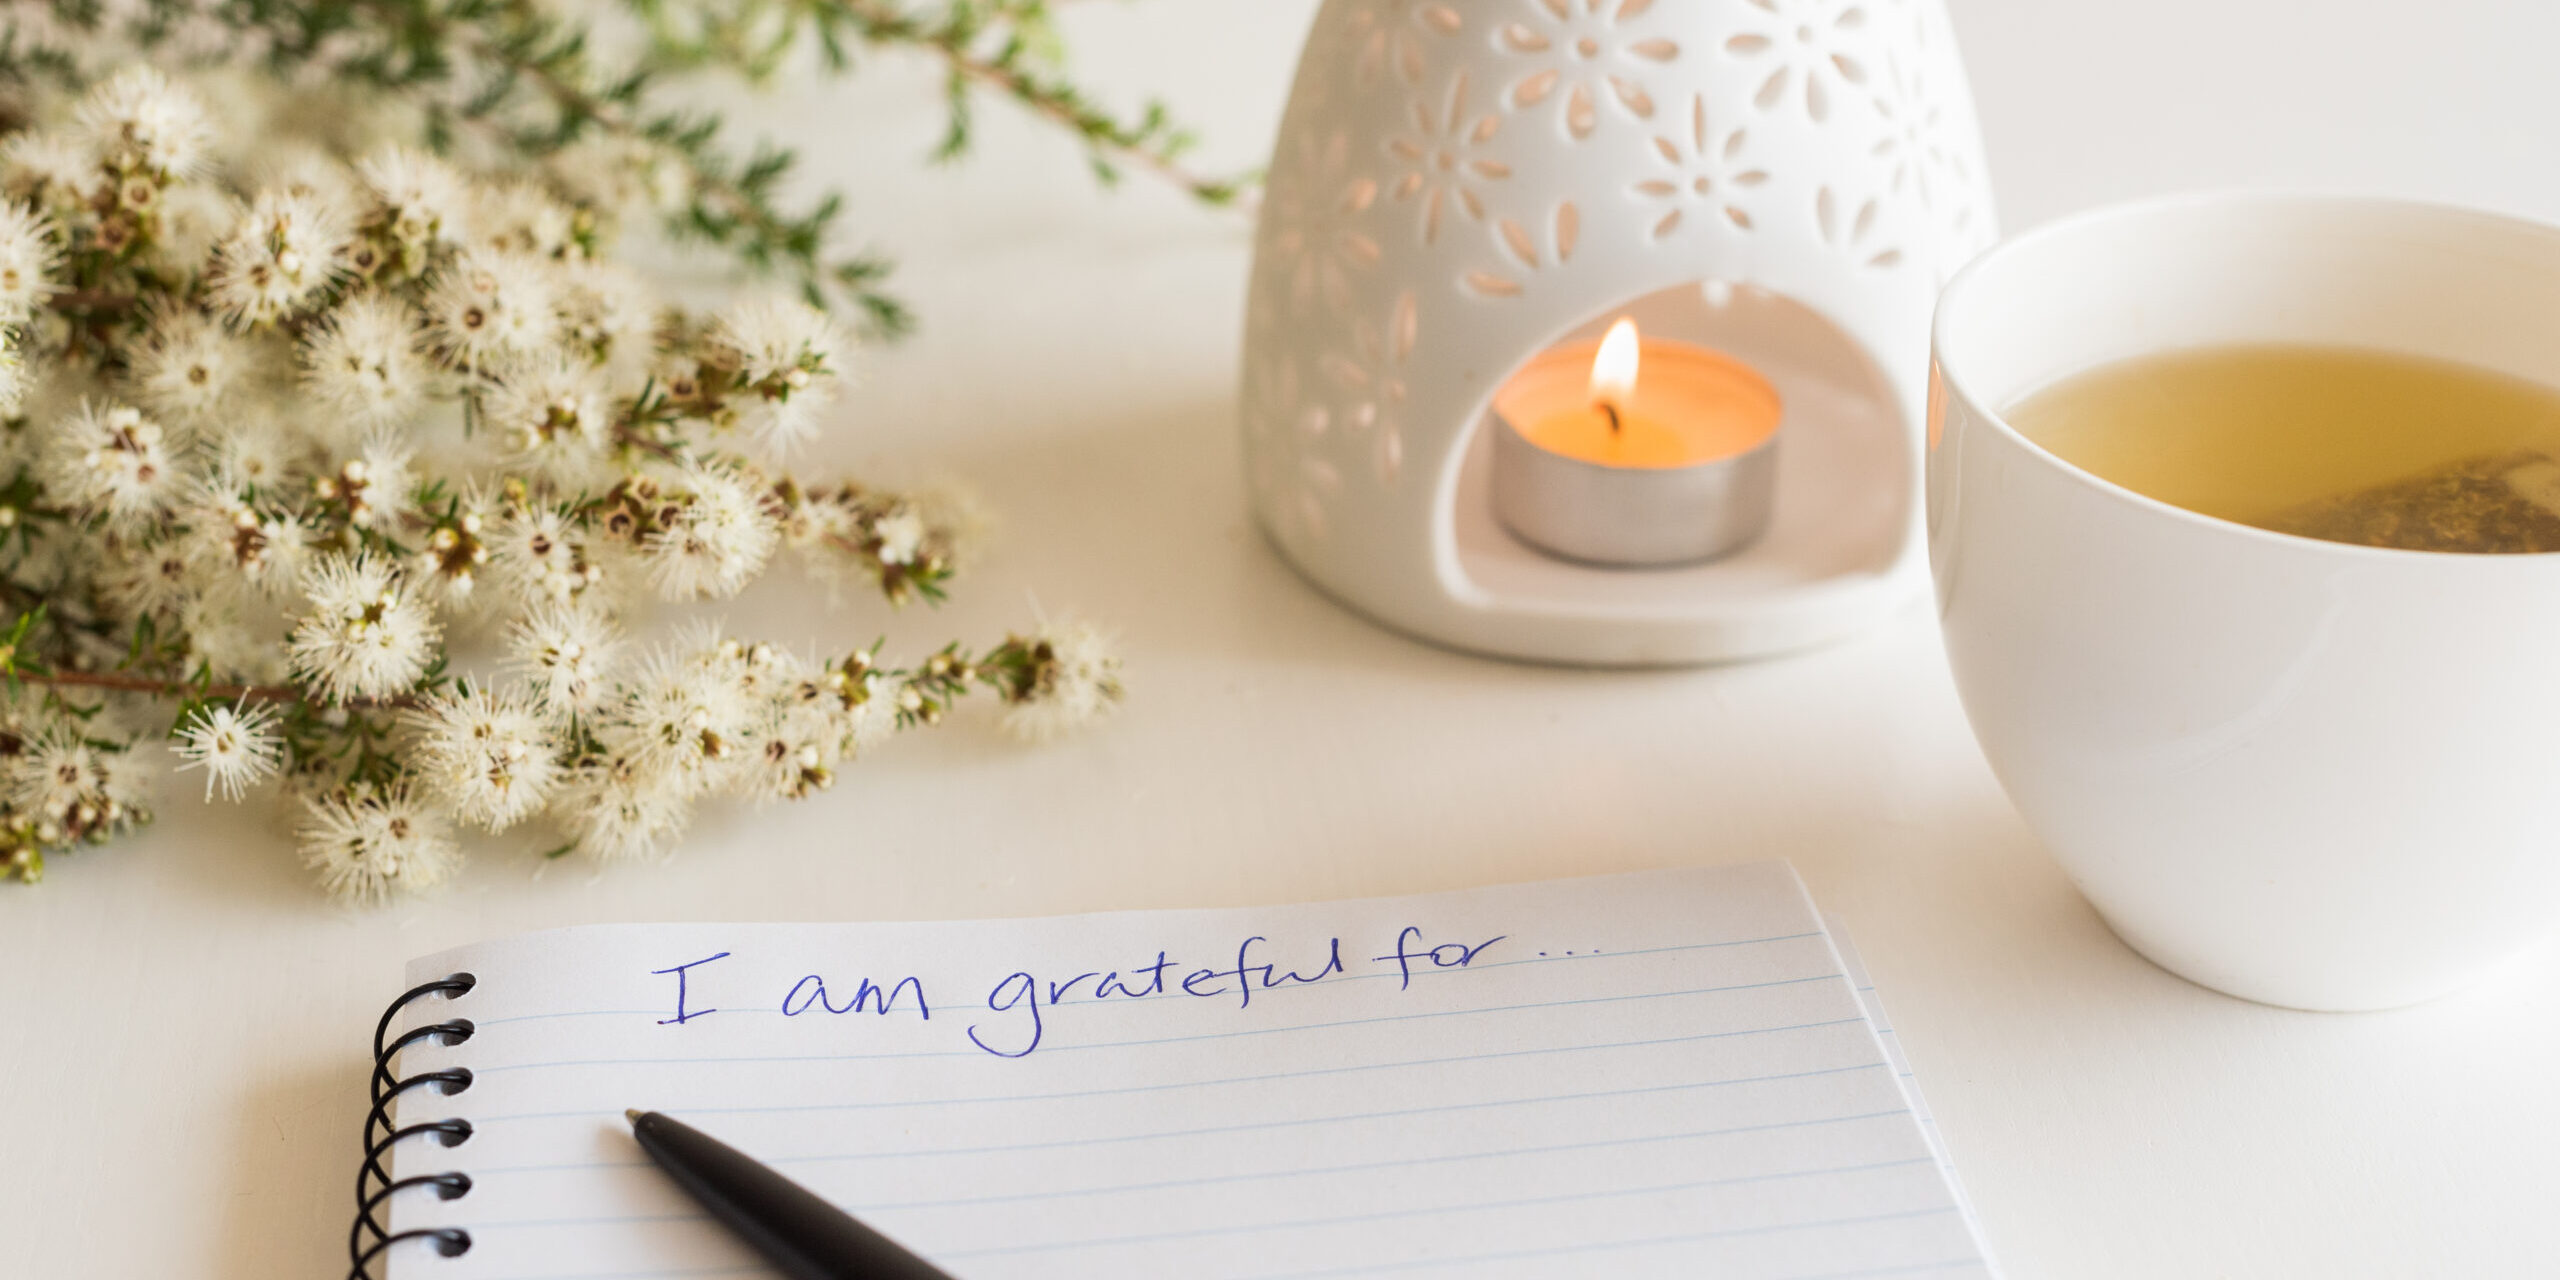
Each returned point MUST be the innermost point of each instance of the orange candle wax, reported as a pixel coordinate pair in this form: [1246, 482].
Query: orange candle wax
[1635, 452]
[1675, 404]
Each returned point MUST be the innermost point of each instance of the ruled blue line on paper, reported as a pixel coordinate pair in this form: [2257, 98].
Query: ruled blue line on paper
[712, 1273]
[1550, 1149]
[1974, 1265]
[1597, 1246]
[1163, 1237]
[644, 1219]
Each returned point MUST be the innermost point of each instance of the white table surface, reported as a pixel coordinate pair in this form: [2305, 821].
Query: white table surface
[182, 1016]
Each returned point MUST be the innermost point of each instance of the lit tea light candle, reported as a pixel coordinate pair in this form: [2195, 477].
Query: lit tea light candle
[1635, 451]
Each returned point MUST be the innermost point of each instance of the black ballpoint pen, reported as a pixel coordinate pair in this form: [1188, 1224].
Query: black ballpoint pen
[805, 1236]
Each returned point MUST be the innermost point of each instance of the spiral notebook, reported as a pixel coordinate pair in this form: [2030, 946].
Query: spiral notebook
[1662, 1074]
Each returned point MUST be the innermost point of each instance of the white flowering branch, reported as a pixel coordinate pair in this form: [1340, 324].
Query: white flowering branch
[523, 81]
[355, 475]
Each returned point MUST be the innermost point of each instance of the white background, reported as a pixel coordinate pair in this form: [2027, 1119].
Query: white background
[181, 1063]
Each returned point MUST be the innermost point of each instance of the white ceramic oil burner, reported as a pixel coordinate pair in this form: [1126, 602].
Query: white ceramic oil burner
[1462, 185]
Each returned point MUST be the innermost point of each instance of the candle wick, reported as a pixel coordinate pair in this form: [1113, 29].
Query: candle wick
[1610, 407]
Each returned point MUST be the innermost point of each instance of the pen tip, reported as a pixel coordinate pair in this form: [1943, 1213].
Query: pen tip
[632, 1114]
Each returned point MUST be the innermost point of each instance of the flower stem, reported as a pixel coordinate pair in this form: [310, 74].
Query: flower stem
[1147, 145]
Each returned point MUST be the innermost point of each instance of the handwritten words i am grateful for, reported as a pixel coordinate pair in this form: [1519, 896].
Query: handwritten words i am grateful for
[1018, 1007]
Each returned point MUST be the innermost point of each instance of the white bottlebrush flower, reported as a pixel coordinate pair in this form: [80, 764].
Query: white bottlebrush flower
[794, 756]
[825, 517]
[1071, 677]
[47, 168]
[488, 756]
[189, 365]
[376, 845]
[111, 459]
[452, 555]
[193, 218]
[71, 788]
[487, 307]
[790, 358]
[28, 256]
[761, 672]
[366, 634]
[815, 720]
[253, 451]
[718, 537]
[14, 381]
[235, 747]
[539, 552]
[157, 579]
[233, 538]
[363, 361]
[617, 810]
[521, 218]
[901, 534]
[374, 485]
[416, 198]
[550, 414]
[279, 258]
[610, 312]
[386, 456]
[273, 553]
[875, 719]
[687, 716]
[294, 167]
[774, 338]
[568, 653]
[140, 121]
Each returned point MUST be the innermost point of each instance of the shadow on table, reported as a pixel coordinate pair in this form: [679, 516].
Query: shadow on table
[292, 1189]
[242, 853]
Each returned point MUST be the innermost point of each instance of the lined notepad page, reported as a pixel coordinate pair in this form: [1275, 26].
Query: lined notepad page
[1661, 1074]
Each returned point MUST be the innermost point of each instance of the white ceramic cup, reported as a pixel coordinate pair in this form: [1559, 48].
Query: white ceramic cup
[2305, 773]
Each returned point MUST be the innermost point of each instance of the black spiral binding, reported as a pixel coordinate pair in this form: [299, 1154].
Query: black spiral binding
[369, 1238]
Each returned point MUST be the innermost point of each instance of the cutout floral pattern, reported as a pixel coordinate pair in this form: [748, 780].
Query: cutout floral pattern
[1372, 382]
[1444, 159]
[1923, 151]
[1708, 174]
[1394, 35]
[1315, 244]
[1913, 149]
[1290, 470]
[1854, 232]
[1585, 56]
[1530, 249]
[1806, 50]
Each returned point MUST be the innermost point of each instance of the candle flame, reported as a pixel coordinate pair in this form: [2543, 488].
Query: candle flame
[1613, 370]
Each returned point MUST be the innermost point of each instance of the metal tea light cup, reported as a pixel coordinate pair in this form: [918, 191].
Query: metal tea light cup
[1626, 517]
[1626, 512]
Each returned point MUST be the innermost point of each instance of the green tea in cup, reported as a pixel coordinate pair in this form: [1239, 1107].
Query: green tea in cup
[2339, 443]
